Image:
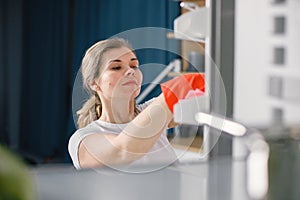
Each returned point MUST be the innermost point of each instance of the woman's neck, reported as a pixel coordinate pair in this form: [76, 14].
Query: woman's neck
[118, 111]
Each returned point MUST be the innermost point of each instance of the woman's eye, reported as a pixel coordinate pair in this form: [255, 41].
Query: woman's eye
[134, 66]
[116, 68]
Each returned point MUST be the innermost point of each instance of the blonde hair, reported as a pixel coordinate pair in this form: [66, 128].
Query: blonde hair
[91, 70]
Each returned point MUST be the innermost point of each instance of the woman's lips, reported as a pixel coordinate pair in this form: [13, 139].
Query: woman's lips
[131, 82]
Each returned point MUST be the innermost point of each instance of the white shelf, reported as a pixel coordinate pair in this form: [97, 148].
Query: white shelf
[172, 35]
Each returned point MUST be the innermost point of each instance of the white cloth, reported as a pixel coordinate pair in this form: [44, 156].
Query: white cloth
[161, 150]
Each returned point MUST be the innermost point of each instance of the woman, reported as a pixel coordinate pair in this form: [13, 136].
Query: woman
[113, 130]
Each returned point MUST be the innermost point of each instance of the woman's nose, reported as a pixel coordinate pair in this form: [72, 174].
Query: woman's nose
[130, 71]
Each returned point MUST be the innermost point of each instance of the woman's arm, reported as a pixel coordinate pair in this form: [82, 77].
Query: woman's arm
[132, 143]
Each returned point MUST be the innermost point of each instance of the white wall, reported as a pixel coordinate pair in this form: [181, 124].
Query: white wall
[254, 62]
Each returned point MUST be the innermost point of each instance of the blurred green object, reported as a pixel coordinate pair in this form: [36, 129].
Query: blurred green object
[284, 165]
[15, 180]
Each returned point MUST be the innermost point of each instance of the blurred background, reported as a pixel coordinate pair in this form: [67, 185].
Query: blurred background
[252, 45]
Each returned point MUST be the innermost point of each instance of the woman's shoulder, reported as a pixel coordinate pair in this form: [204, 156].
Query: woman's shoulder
[76, 139]
[81, 133]
[98, 127]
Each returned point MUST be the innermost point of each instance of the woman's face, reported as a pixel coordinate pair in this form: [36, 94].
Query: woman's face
[120, 76]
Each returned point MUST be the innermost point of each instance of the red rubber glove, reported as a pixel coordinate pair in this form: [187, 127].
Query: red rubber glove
[179, 87]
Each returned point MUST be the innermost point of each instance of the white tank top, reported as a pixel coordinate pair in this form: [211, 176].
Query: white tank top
[161, 151]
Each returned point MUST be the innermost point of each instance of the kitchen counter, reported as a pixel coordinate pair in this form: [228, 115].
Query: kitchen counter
[221, 178]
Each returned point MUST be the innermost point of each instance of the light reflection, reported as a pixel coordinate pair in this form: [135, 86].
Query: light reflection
[219, 123]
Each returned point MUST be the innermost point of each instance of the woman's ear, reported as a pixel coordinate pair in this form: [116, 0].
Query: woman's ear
[94, 86]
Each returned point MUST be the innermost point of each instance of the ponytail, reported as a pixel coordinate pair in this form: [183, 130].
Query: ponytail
[90, 111]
